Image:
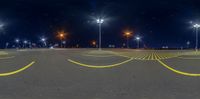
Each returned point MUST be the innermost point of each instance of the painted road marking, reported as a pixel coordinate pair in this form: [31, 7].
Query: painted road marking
[17, 71]
[6, 57]
[177, 71]
[100, 66]
[154, 56]
[3, 53]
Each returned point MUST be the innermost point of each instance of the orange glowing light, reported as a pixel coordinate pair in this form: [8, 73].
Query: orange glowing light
[94, 43]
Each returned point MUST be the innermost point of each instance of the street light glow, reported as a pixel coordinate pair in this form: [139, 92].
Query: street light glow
[138, 41]
[17, 40]
[62, 36]
[137, 38]
[1, 26]
[25, 41]
[43, 39]
[127, 34]
[100, 21]
[196, 25]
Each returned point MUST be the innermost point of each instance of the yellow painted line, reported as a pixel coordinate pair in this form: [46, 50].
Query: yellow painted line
[7, 57]
[17, 71]
[177, 71]
[149, 57]
[152, 56]
[158, 56]
[162, 56]
[139, 56]
[155, 55]
[145, 56]
[98, 55]
[99, 66]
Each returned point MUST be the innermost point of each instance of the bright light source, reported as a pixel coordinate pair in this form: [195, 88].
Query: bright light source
[17, 40]
[43, 39]
[25, 41]
[64, 42]
[61, 35]
[196, 26]
[137, 38]
[100, 21]
[128, 34]
[1, 26]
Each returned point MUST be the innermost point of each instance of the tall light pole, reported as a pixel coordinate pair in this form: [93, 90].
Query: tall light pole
[61, 36]
[188, 44]
[25, 42]
[138, 41]
[44, 41]
[17, 42]
[196, 26]
[100, 21]
[127, 35]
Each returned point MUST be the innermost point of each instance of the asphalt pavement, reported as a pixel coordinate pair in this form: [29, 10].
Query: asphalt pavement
[93, 74]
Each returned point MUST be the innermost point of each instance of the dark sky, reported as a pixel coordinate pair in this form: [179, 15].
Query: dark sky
[158, 22]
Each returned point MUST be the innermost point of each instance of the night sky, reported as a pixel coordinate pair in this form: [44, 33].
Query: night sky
[158, 22]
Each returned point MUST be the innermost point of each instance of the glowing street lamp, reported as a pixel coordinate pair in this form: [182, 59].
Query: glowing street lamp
[43, 39]
[1, 26]
[93, 43]
[188, 44]
[100, 22]
[25, 42]
[17, 42]
[61, 36]
[138, 41]
[127, 35]
[196, 26]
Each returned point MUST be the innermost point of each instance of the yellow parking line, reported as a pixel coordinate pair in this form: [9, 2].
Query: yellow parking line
[149, 57]
[7, 57]
[152, 56]
[158, 56]
[146, 57]
[177, 71]
[155, 55]
[162, 56]
[139, 56]
[100, 66]
[17, 71]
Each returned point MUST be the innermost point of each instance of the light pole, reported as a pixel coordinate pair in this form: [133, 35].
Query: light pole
[64, 44]
[188, 44]
[44, 41]
[127, 35]
[25, 42]
[93, 43]
[196, 26]
[138, 41]
[17, 42]
[61, 36]
[100, 21]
